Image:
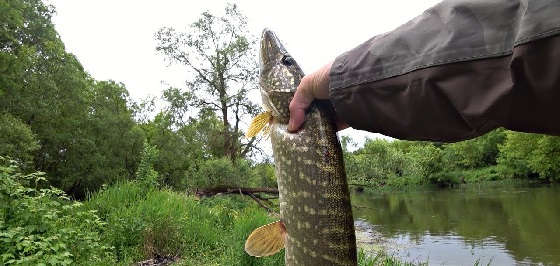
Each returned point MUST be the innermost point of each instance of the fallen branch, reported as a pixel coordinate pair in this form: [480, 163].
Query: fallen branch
[208, 192]
[260, 203]
[254, 193]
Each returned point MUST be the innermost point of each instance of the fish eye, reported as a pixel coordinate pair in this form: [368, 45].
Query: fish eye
[287, 60]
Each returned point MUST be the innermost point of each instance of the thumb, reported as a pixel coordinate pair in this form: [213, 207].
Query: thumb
[301, 101]
[297, 116]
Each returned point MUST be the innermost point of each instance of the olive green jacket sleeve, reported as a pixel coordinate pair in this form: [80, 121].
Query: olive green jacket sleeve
[457, 71]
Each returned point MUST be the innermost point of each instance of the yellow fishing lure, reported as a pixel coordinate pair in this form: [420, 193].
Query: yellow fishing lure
[261, 122]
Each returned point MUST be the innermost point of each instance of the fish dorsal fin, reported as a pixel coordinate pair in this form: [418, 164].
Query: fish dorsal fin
[260, 122]
[266, 240]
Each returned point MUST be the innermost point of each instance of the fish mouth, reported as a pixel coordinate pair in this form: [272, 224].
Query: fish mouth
[271, 51]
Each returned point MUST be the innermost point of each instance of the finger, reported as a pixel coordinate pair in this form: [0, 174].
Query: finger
[298, 105]
[297, 116]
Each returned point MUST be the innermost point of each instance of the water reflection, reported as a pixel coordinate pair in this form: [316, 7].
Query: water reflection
[456, 227]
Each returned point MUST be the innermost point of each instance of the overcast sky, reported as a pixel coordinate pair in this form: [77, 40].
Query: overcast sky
[113, 39]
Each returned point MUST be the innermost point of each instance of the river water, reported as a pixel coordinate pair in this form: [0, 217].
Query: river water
[503, 225]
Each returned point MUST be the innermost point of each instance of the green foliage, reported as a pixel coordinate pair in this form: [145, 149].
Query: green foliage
[376, 162]
[146, 173]
[144, 223]
[183, 149]
[474, 153]
[17, 142]
[84, 126]
[223, 172]
[530, 155]
[546, 158]
[498, 155]
[263, 175]
[426, 159]
[397, 163]
[189, 155]
[41, 225]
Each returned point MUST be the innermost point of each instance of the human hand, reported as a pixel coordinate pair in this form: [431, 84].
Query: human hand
[312, 86]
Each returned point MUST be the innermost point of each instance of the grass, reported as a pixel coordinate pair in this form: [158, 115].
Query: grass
[126, 223]
[145, 223]
[381, 259]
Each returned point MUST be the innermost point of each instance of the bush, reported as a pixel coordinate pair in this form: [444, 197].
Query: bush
[530, 155]
[426, 160]
[491, 173]
[222, 172]
[447, 178]
[146, 173]
[149, 222]
[263, 176]
[512, 160]
[41, 225]
[17, 141]
[375, 163]
[474, 153]
[545, 159]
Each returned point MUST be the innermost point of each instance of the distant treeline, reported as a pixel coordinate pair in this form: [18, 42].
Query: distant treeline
[497, 155]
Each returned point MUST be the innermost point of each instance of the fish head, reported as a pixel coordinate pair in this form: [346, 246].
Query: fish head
[279, 76]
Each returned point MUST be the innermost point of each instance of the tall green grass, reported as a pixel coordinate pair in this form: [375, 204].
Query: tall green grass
[144, 223]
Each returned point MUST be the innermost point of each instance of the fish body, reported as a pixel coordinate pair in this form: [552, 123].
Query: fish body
[315, 209]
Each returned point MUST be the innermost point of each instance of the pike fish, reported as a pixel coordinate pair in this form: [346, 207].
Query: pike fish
[316, 226]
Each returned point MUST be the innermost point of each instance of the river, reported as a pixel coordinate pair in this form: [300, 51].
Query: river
[503, 225]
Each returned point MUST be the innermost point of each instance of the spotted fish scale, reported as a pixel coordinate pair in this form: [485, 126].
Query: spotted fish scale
[314, 198]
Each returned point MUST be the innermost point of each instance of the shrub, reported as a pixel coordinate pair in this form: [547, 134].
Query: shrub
[545, 159]
[375, 163]
[17, 141]
[41, 225]
[146, 173]
[263, 176]
[530, 155]
[222, 172]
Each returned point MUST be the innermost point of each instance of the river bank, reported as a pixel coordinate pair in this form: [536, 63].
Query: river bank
[463, 179]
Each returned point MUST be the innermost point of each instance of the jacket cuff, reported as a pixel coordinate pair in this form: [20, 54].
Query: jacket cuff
[340, 98]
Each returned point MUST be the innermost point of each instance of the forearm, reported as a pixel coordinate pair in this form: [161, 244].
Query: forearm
[457, 71]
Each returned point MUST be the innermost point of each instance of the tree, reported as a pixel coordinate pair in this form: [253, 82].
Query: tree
[85, 128]
[17, 142]
[474, 153]
[530, 155]
[219, 52]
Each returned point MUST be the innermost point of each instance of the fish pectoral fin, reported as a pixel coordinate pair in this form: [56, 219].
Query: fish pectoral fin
[266, 240]
[260, 123]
